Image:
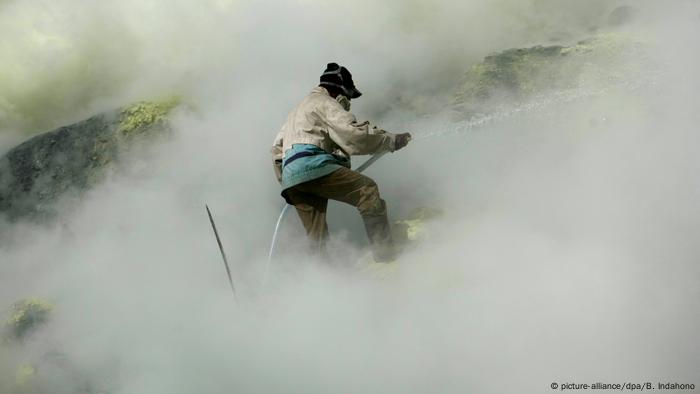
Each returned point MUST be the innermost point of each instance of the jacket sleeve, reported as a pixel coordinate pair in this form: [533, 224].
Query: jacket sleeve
[277, 155]
[352, 137]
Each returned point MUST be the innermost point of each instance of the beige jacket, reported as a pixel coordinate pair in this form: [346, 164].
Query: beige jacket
[320, 120]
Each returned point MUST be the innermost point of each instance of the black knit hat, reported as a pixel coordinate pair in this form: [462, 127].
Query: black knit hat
[339, 77]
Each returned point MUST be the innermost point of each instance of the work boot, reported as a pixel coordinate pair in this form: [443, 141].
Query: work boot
[379, 234]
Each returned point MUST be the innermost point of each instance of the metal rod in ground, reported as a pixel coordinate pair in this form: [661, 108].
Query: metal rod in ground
[223, 254]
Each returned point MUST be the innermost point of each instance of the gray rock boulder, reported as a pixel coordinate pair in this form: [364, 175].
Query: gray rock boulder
[71, 159]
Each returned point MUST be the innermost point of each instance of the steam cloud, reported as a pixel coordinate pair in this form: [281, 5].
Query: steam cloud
[569, 251]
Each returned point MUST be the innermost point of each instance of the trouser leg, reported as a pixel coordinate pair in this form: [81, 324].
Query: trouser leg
[379, 234]
[312, 212]
[361, 191]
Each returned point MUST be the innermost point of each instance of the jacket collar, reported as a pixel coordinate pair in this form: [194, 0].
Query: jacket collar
[320, 89]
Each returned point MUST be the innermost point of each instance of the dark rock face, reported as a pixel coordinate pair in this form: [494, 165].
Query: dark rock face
[36, 173]
[39, 170]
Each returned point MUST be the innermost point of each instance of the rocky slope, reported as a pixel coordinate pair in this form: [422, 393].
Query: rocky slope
[71, 159]
[522, 74]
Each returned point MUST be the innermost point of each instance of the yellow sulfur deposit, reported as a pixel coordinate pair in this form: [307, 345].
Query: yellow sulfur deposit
[26, 315]
[146, 113]
[412, 227]
[24, 375]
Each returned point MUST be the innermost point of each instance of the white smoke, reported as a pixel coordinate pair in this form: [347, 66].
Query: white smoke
[567, 253]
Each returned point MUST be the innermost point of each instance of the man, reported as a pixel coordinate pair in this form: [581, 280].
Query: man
[311, 158]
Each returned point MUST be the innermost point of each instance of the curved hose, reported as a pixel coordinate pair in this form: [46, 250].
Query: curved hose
[274, 240]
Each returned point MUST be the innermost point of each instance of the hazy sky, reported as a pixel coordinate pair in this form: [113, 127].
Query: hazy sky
[567, 252]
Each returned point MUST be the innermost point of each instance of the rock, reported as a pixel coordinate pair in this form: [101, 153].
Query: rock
[407, 233]
[25, 317]
[517, 75]
[36, 370]
[413, 227]
[34, 174]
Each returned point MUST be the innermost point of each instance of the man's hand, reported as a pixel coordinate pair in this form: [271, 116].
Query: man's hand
[402, 140]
